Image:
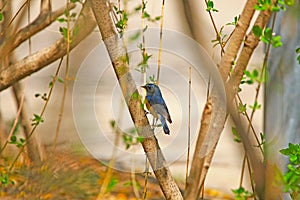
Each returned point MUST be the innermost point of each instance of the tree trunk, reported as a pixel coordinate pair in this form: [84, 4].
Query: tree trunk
[150, 144]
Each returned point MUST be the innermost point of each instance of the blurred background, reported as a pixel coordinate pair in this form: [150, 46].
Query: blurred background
[227, 163]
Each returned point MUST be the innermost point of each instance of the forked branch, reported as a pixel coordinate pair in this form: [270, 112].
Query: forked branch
[44, 57]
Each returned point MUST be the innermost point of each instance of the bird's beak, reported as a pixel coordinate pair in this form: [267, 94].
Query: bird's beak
[143, 86]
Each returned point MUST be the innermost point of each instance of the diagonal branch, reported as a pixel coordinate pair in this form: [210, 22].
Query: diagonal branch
[234, 82]
[193, 181]
[250, 44]
[45, 6]
[150, 144]
[250, 150]
[237, 39]
[41, 22]
[44, 57]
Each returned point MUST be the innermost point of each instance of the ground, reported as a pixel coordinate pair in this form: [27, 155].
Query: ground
[72, 176]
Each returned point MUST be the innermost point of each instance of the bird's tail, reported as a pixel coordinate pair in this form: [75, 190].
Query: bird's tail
[164, 125]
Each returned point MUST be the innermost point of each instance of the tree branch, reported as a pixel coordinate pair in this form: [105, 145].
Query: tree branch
[193, 183]
[250, 150]
[42, 58]
[234, 82]
[41, 22]
[45, 6]
[236, 39]
[150, 144]
[250, 44]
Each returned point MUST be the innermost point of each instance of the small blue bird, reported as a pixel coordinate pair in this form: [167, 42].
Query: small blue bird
[157, 106]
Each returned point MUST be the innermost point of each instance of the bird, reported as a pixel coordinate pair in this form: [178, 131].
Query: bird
[157, 106]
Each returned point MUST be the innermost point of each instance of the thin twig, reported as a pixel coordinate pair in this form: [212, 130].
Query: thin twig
[111, 164]
[216, 30]
[189, 128]
[16, 119]
[146, 179]
[250, 171]
[40, 23]
[250, 125]
[160, 40]
[255, 100]
[38, 60]
[60, 115]
[14, 17]
[237, 38]
[28, 19]
[41, 115]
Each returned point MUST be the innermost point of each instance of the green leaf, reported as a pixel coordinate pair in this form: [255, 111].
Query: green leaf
[268, 33]
[64, 32]
[275, 8]
[36, 120]
[73, 15]
[22, 140]
[135, 96]
[146, 15]
[242, 108]
[112, 184]
[157, 18]
[255, 73]
[1, 16]
[235, 20]
[50, 84]
[241, 193]
[112, 123]
[140, 46]
[257, 31]
[255, 106]
[210, 6]
[75, 31]
[13, 139]
[138, 8]
[60, 80]
[61, 20]
[152, 78]
[237, 137]
[298, 52]
[139, 139]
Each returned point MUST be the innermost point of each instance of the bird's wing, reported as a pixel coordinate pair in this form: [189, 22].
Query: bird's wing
[160, 107]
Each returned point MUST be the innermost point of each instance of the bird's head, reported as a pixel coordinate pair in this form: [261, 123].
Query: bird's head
[152, 89]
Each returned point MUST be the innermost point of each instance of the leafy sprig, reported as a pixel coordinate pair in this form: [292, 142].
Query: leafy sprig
[210, 6]
[298, 54]
[241, 193]
[291, 178]
[267, 36]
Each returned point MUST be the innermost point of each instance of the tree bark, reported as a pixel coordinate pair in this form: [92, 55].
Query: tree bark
[197, 178]
[236, 39]
[46, 56]
[33, 150]
[41, 22]
[150, 144]
[193, 182]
